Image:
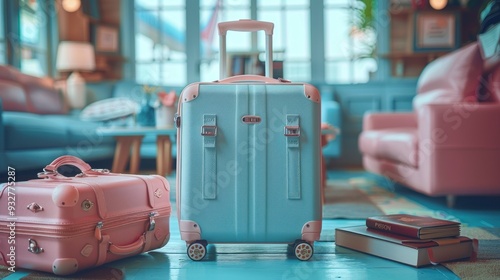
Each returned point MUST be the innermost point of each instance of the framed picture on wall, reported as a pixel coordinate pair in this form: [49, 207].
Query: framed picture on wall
[105, 38]
[436, 31]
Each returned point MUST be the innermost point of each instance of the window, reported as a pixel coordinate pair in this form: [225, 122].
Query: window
[160, 42]
[31, 45]
[294, 50]
[238, 42]
[348, 48]
[291, 39]
[24, 35]
[162, 57]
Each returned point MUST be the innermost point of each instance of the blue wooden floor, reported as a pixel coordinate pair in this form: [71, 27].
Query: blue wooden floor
[255, 262]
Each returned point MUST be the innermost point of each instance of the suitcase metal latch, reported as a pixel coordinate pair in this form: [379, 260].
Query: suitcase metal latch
[209, 130]
[152, 222]
[97, 231]
[292, 130]
[177, 120]
[33, 247]
[251, 119]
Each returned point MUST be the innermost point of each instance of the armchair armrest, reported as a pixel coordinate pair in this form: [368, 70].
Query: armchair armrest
[372, 120]
[460, 125]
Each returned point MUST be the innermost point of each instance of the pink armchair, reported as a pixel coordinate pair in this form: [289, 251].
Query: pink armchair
[450, 144]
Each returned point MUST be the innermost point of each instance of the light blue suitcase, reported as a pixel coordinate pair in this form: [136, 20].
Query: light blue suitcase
[248, 167]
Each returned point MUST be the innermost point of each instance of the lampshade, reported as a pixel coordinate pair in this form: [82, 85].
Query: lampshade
[438, 4]
[71, 5]
[75, 56]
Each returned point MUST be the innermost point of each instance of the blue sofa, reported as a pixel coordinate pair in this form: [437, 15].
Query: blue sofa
[36, 127]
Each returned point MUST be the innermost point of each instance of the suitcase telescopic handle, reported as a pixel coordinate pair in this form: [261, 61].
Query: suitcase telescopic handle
[246, 25]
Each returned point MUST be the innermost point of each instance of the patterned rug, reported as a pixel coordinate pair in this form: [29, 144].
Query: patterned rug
[343, 201]
[390, 202]
[487, 265]
[359, 198]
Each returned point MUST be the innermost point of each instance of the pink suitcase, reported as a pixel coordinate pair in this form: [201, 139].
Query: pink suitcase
[66, 224]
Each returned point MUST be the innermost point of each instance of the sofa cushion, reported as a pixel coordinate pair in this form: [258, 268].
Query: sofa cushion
[32, 131]
[396, 144]
[13, 96]
[43, 97]
[25, 93]
[451, 78]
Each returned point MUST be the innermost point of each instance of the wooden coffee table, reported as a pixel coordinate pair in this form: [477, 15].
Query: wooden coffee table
[128, 146]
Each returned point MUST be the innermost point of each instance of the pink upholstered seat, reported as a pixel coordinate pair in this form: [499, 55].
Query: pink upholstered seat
[450, 143]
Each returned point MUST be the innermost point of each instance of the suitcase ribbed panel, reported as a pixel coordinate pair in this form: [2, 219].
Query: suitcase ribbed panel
[241, 174]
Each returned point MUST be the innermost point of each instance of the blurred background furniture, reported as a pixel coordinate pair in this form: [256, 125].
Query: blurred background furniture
[450, 144]
[36, 127]
[128, 143]
[74, 57]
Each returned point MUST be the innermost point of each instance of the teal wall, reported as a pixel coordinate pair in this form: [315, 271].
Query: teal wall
[355, 100]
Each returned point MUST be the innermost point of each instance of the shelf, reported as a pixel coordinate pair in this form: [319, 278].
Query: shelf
[407, 11]
[404, 60]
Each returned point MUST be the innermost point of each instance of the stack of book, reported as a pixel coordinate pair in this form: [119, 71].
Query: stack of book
[412, 240]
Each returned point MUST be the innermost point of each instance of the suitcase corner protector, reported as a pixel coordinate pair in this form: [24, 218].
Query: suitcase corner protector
[190, 93]
[312, 93]
[65, 266]
[311, 231]
[190, 231]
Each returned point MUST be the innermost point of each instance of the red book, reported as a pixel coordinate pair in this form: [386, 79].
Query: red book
[414, 226]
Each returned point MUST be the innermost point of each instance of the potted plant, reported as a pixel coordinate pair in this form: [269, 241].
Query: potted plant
[363, 28]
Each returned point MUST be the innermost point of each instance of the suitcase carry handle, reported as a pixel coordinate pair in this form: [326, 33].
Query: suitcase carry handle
[247, 25]
[50, 171]
[128, 249]
[67, 160]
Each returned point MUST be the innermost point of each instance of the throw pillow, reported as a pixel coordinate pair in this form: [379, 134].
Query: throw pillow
[109, 109]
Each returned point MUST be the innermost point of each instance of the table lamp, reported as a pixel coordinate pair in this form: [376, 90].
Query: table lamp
[74, 57]
[71, 6]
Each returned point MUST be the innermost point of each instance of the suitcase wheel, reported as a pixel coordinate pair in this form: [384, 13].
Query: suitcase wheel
[197, 250]
[303, 250]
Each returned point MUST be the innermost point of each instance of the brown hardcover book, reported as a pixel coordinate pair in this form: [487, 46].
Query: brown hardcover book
[411, 251]
[414, 226]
